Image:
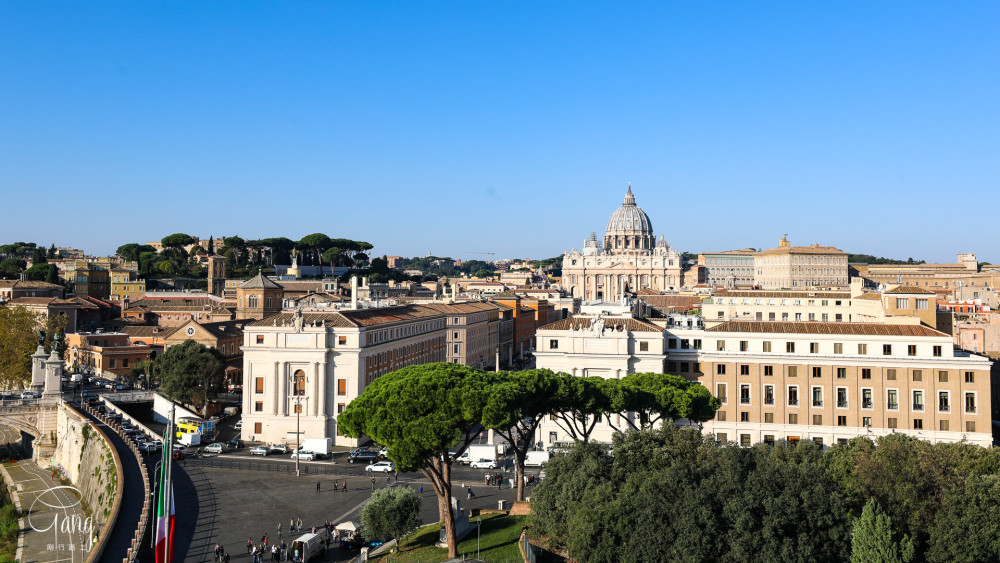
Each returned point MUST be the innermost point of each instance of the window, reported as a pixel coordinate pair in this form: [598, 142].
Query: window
[696, 343]
[341, 340]
[902, 303]
[744, 417]
[685, 344]
[793, 371]
[300, 382]
[257, 427]
[744, 345]
[644, 346]
[769, 370]
[341, 407]
[817, 394]
[814, 347]
[745, 440]
[918, 400]
[838, 347]
[921, 304]
[841, 397]
[866, 421]
[942, 377]
[720, 392]
[720, 345]
[892, 399]
[943, 425]
[259, 385]
[454, 348]
[970, 377]
[793, 419]
[841, 373]
[720, 416]
[970, 426]
[793, 396]
[798, 317]
[918, 375]
[112, 365]
[866, 373]
[553, 344]
[297, 408]
[918, 424]
[258, 406]
[862, 349]
[767, 345]
[341, 386]
[790, 347]
[866, 398]
[891, 423]
[769, 439]
[671, 344]
[769, 394]
[817, 371]
[455, 335]
[720, 369]
[970, 402]
[744, 369]
[552, 437]
[721, 437]
[887, 349]
[769, 418]
[124, 362]
[937, 351]
[744, 394]
[841, 421]
[817, 420]
[890, 374]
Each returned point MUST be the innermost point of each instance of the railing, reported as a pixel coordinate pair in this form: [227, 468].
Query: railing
[817, 403]
[277, 467]
[944, 408]
[793, 402]
[918, 406]
[866, 404]
[892, 406]
[768, 401]
[744, 400]
[970, 408]
[841, 404]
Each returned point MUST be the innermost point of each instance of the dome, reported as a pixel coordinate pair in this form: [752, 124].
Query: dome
[630, 218]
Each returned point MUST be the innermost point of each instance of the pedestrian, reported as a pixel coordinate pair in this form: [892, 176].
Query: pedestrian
[249, 545]
[283, 553]
[486, 479]
[421, 491]
[222, 551]
[279, 529]
[499, 483]
[373, 483]
[225, 558]
[298, 524]
[345, 485]
[396, 475]
[335, 483]
[216, 552]
[469, 492]
[317, 486]
[387, 480]
[263, 540]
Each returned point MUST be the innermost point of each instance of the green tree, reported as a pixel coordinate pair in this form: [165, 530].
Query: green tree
[967, 529]
[318, 243]
[391, 513]
[42, 272]
[874, 541]
[211, 245]
[659, 397]
[518, 402]
[17, 343]
[12, 267]
[51, 254]
[38, 256]
[421, 412]
[191, 373]
[579, 404]
[176, 240]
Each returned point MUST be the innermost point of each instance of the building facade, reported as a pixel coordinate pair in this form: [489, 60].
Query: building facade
[629, 260]
[730, 269]
[791, 267]
[107, 354]
[126, 287]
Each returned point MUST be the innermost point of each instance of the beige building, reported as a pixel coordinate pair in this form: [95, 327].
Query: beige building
[473, 335]
[107, 354]
[964, 272]
[792, 267]
[126, 286]
[630, 259]
[731, 268]
[258, 297]
[781, 306]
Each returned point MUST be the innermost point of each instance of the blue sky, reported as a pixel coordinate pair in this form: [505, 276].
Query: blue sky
[504, 127]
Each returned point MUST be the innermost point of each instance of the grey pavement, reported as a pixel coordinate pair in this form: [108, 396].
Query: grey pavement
[54, 529]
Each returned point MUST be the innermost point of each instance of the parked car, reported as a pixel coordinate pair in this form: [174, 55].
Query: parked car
[304, 455]
[381, 467]
[260, 450]
[280, 449]
[235, 443]
[362, 456]
[383, 451]
[30, 395]
[178, 454]
[215, 448]
[121, 387]
[239, 425]
[483, 464]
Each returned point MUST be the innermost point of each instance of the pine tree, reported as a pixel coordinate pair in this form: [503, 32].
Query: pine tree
[873, 538]
[211, 246]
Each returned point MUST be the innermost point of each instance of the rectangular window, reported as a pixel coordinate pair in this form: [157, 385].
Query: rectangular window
[918, 400]
[257, 427]
[970, 377]
[671, 344]
[644, 346]
[918, 424]
[838, 347]
[767, 345]
[814, 347]
[817, 420]
[671, 367]
[769, 439]
[744, 369]
[554, 344]
[866, 373]
[720, 345]
[817, 371]
[841, 421]
[970, 402]
[258, 406]
[685, 344]
[454, 348]
[696, 343]
[911, 350]
[341, 407]
[341, 340]
[866, 398]
[720, 392]
[841, 373]
[745, 440]
[124, 362]
[890, 374]
[793, 419]
[112, 365]
[769, 370]
[892, 399]
[887, 349]
[921, 304]
[970, 426]
[744, 394]
[793, 396]
[744, 345]
[942, 377]
[720, 415]
[790, 347]
[862, 349]
[258, 385]
[918, 375]
[841, 397]
[793, 371]
[720, 369]
[902, 303]
[817, 396]
[721, 437]
[866, 421]
[744, 417]
[769, 394]
[769, 418]
[260, 339]
[943, 425]
[341, 386]
[891, 422]
[937, 351]
[298, 408]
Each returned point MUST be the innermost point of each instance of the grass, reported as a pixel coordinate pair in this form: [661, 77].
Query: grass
[498, 542]
[8, 527]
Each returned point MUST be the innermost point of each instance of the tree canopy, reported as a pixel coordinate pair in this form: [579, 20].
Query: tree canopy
[391, 513]
[17, 344]
[188, 371]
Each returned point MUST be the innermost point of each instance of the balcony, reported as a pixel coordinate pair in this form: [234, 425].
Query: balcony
[866, 404]
[841, 404]
[892, 406]
[768, 401]
[918, 406]
[817, 403]
[970, 408]
[944, 408]
[793, 402]
[744, 400]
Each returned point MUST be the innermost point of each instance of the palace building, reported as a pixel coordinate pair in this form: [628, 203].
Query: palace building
[629, 260]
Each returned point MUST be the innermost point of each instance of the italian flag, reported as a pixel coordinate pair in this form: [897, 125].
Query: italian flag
[165, 501]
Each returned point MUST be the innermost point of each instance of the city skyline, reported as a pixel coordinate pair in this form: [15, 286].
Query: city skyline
[501, 129]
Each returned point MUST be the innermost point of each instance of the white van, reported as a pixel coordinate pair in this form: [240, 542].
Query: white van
[536, 459]
[307, 546]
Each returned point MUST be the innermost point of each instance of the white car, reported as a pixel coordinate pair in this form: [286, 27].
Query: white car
[279, 449]
[215, 448]
[304, 455]
[30, 395]
[260, 450]
[381, 467]
[239, 425]
[483, 464]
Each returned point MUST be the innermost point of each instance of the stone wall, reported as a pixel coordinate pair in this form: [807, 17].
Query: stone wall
[85, 458]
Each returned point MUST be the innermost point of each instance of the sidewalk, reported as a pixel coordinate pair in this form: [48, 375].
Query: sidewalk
[55, 527]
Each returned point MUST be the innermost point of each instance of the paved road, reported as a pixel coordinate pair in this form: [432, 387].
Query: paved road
[56, 530]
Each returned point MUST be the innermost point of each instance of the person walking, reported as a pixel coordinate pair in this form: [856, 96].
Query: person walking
[335, 483]
[396, 475]
[279, 530]
[345, 485]
[499, 482]
[225, 558]
[317, 486]
[298, 524]
[249, 545]
[373, 483]
[387, 480]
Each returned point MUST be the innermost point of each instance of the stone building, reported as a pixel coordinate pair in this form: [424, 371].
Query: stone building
[258, 297]
[629, 260]
[793, 267]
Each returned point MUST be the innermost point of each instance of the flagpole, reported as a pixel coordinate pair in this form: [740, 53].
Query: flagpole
[168, 486]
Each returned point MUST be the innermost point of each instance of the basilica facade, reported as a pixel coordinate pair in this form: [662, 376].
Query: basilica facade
[630, 259]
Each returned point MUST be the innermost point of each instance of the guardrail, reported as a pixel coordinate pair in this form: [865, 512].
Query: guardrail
[135, 548]
[286, 467]
[110, 405]
[128, 397]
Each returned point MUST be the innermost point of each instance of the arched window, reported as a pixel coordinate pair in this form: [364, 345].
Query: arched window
[300, 382]
[252, 302]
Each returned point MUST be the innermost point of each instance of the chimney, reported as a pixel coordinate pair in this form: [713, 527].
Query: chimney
[354, 292]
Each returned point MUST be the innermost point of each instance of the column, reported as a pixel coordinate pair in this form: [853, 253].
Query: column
[282, 391]
[321, 398]
[278, 377]
[315, 386]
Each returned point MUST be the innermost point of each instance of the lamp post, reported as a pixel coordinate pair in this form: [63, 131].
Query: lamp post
[298, 415]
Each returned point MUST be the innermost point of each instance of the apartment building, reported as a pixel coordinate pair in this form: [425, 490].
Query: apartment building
[731, 268]
[791, 267]
[474, 334]
[125, 286]
[107, 354]
[783, 306]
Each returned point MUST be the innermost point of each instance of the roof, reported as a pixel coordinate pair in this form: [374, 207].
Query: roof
[666, 301]
[353, 318]
[870, 296]
[223, 329]
[259, 282]
[909, 289]
[32, 301]
[801, 250]
[610, 323]
[31, 284]
[464, 308]
[784, 294]
[149, 331]
[865, 329]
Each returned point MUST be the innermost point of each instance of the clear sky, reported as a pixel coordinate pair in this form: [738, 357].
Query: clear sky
[503, 127]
